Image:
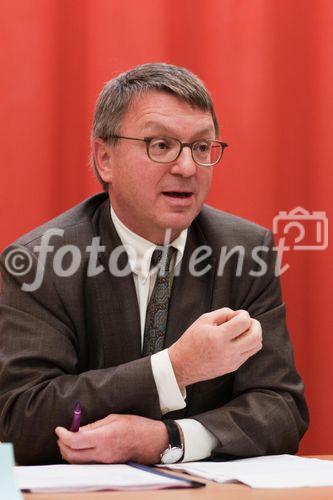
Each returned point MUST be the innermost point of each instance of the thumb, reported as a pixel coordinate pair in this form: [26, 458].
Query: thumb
[61, 432]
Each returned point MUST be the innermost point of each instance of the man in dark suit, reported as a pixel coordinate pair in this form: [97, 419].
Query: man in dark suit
[162, 316]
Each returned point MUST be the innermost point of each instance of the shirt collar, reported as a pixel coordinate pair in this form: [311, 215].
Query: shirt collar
[140, 250]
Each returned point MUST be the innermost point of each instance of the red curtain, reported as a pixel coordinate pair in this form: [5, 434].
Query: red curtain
[268, 64]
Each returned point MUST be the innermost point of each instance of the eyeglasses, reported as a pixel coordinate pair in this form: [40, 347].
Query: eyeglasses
[205, 152]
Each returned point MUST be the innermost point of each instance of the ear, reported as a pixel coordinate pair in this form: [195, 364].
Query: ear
[102, 156]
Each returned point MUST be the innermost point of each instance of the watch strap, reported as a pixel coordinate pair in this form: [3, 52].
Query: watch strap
[175, 440]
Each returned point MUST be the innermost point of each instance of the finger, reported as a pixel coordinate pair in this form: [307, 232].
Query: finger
[239, 323]
[220, 316]
[250, 339]
[251, 352]
[75, 440]
[77, 456]
[254, 351]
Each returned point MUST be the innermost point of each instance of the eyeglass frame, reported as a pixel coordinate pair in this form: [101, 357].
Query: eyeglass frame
[183, 145]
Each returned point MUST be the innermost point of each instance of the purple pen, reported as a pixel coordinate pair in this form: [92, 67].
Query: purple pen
[76, 418]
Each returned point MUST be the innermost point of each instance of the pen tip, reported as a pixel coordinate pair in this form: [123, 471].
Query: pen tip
[77, 407]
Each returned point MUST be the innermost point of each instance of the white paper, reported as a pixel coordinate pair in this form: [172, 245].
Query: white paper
[61, 478]
[275, 471]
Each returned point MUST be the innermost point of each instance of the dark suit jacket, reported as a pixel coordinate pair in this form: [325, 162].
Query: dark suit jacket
[78, 339]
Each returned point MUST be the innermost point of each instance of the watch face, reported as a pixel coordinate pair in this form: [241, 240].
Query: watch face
[171, 455]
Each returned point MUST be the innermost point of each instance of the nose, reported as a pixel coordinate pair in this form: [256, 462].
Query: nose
[184, 165]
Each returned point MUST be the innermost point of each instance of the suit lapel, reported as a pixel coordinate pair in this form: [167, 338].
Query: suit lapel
[191, 295]
[119, 317]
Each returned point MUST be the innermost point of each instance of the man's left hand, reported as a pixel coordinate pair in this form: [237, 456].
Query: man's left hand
[114, 439]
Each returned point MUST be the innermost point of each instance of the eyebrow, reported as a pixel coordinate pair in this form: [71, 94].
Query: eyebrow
[168, 130]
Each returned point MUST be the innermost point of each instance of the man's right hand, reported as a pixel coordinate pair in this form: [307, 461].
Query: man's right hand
[217, 343]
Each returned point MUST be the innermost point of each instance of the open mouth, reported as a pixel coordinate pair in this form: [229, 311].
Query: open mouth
[176, 194]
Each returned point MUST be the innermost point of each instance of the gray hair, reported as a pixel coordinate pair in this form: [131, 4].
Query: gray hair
[118, 94]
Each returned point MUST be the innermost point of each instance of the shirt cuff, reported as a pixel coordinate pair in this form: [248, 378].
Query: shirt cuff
[199, 442]
[169, 394]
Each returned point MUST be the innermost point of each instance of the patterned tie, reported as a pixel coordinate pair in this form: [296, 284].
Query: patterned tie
[157, 310]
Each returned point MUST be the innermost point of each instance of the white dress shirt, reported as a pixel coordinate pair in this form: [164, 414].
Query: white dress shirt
[198, 441]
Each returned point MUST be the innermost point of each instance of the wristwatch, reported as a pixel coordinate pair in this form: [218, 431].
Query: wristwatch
[175, 450]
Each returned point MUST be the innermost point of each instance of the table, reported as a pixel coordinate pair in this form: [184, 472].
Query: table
[211, 492]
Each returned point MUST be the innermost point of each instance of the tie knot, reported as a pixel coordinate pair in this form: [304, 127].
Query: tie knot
[162, 256]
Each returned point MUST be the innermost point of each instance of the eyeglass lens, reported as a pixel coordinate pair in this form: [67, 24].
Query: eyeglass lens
[165, 149]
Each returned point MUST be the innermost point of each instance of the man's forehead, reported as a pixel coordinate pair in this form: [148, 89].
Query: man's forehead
[160, 109]
[199, 128]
